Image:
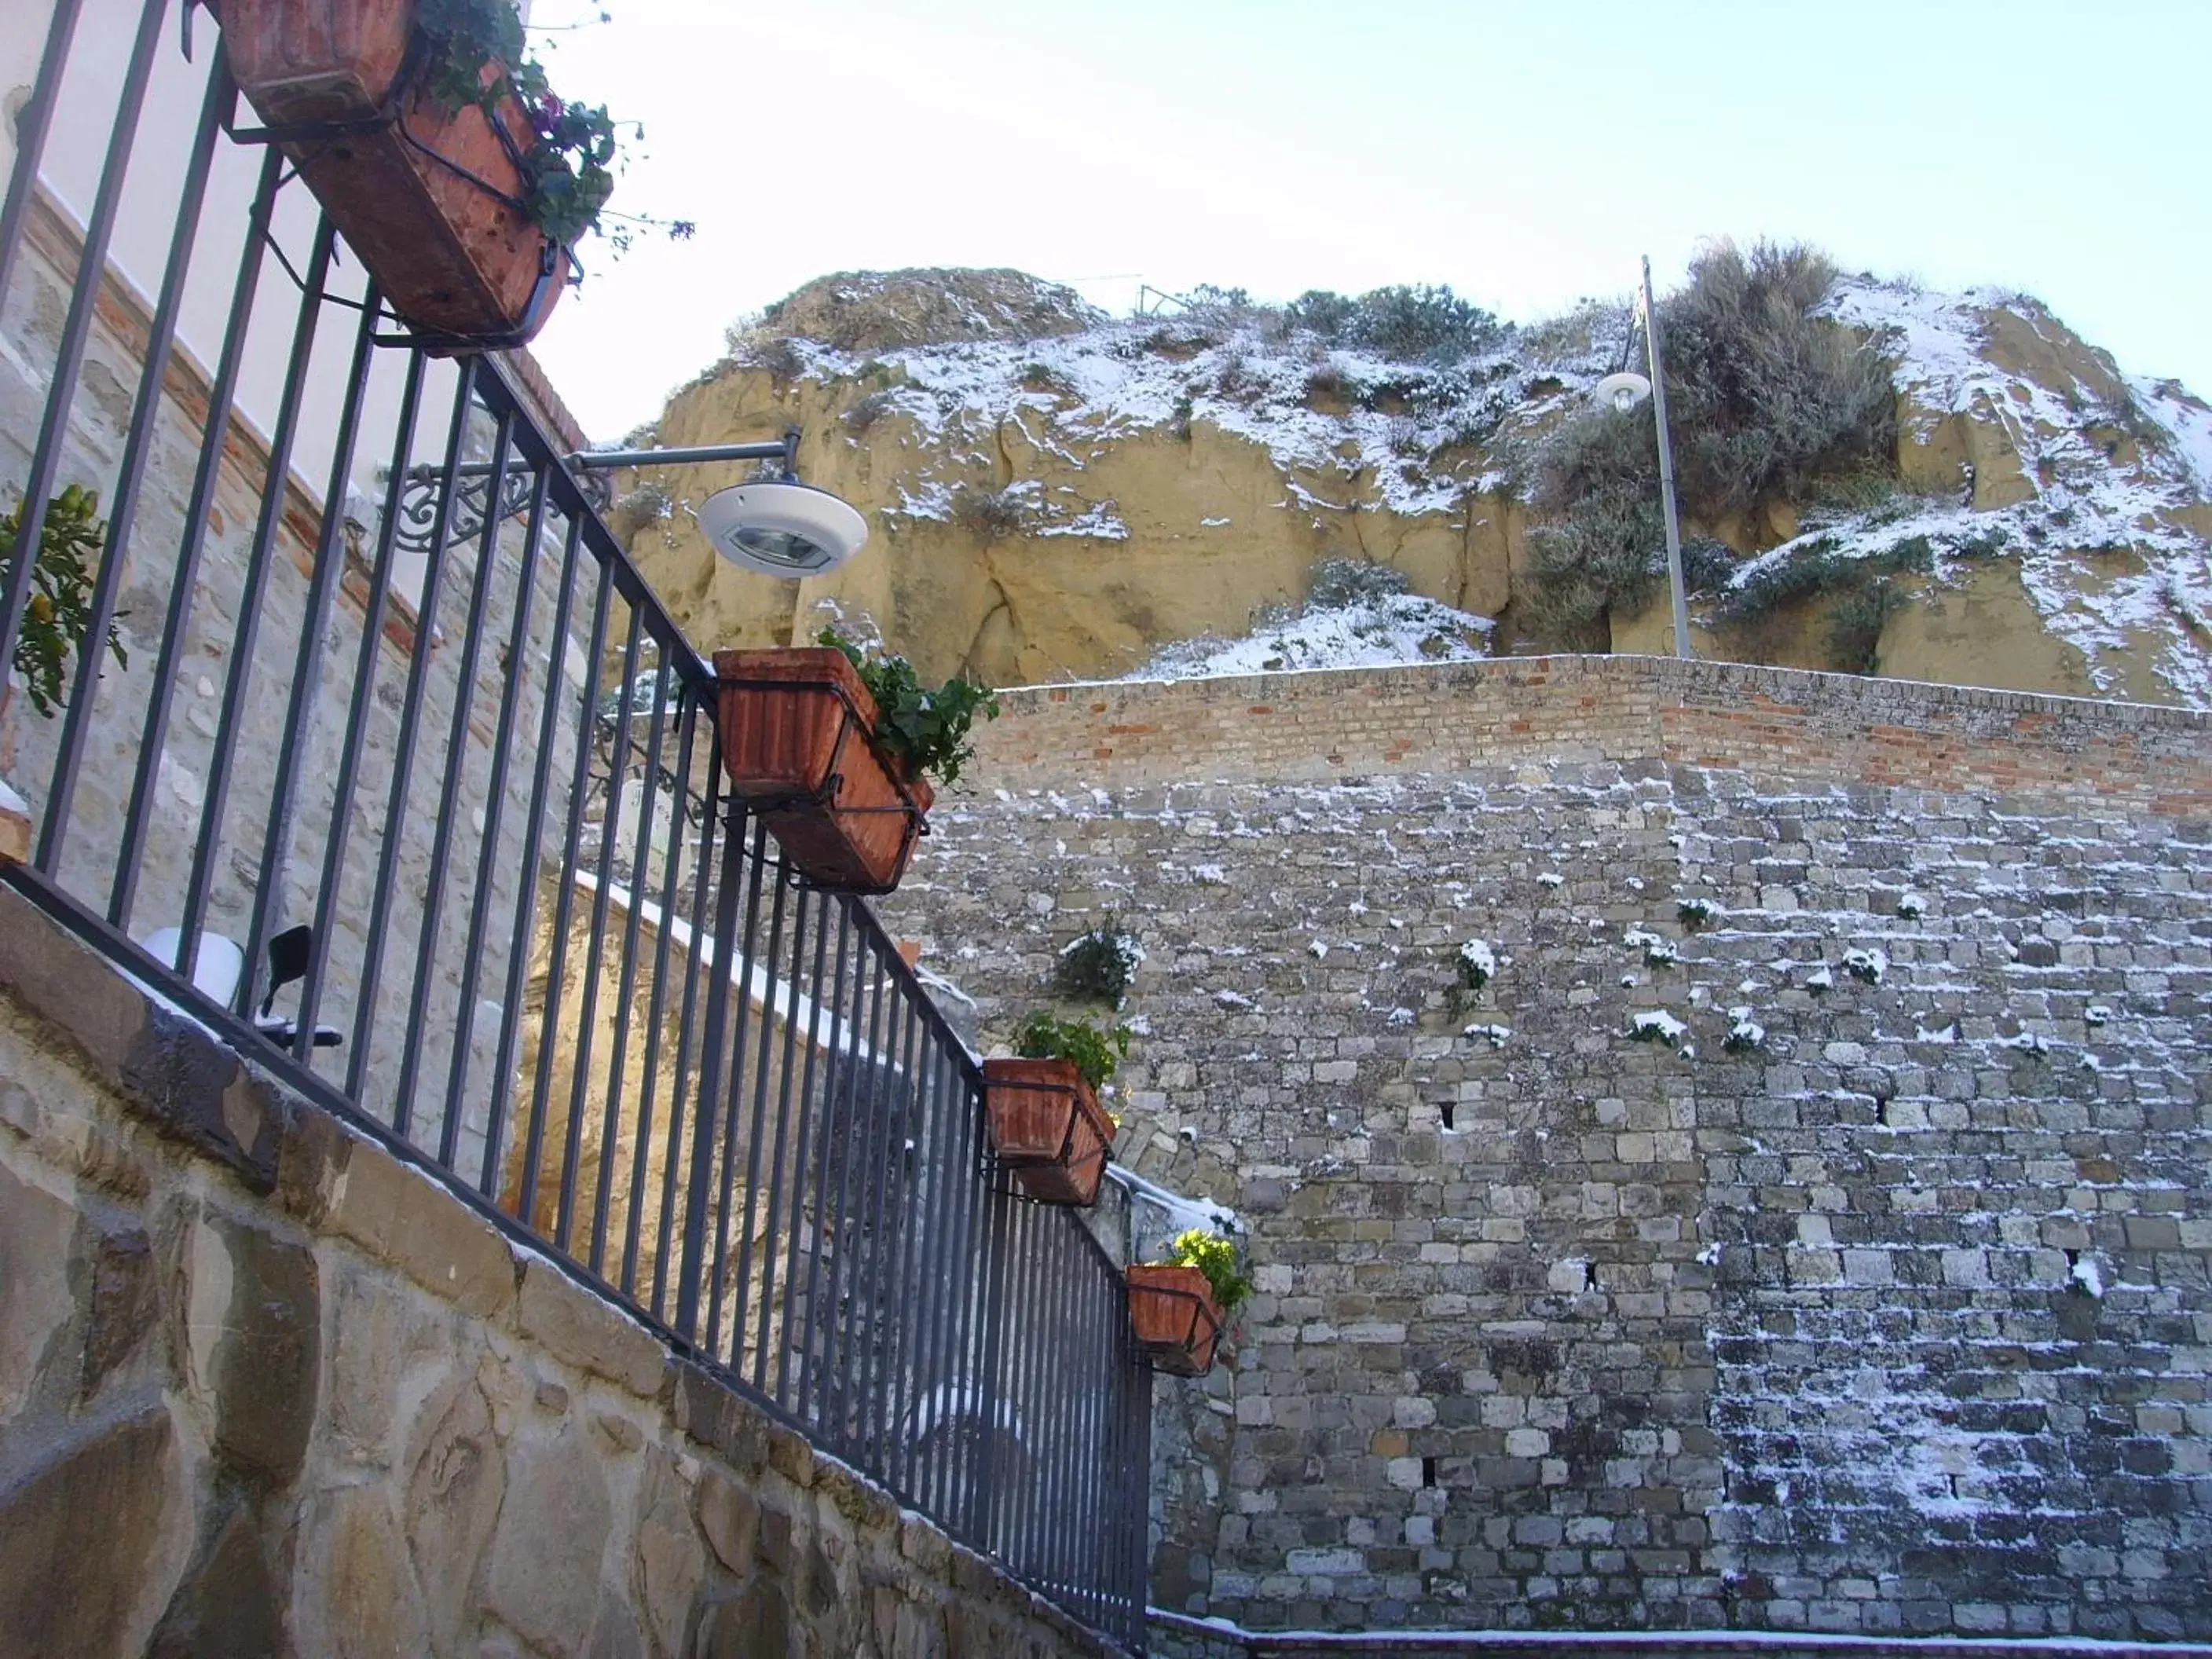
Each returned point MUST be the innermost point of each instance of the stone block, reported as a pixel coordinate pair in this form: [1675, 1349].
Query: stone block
[586, 1329]
[399, 1216]
[541, 1574]
[93, 1527]
[250, 1326]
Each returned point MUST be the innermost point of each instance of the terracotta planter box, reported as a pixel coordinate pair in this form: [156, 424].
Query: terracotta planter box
[1049, 1128]
[426, 199]
[1176, 1318]
[797, 731]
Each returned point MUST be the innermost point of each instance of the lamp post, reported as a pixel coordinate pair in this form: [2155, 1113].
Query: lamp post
[1666, 467]
[1624, 391]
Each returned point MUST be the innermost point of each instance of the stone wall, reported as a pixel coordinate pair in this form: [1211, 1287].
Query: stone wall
[1868, 1295]
[265, 1390]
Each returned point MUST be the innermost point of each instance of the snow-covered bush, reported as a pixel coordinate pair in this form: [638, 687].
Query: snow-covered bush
[1657, 1025]
[1097, 966]
[1866, 966]
[1336, 582]
[989, 514]
[1478, 965]
[1911, 904]
[1696, 913]
[1745, 1033]
[1659, 951]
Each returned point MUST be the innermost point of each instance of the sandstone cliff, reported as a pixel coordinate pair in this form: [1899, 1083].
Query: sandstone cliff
[1058, 495]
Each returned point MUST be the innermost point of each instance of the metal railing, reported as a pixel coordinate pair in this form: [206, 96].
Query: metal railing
[433, 821]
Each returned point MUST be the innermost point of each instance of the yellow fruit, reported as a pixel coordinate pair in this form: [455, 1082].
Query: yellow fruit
[42, 608]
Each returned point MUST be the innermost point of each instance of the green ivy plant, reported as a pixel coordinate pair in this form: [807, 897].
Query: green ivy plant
[1097, 966]
[58, 613]
[924, 731]
[568, 169]
[1215, 1256]
[1095, 1051]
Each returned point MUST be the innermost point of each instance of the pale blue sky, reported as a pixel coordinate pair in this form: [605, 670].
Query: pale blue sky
[1526, 154]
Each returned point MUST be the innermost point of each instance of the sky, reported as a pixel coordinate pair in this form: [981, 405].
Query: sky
[1526, 154]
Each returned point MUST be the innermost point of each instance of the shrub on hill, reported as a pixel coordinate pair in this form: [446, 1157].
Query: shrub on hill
[1763, 397]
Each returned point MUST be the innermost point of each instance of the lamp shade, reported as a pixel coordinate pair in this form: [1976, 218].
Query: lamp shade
[782, 529]
[1623, 391]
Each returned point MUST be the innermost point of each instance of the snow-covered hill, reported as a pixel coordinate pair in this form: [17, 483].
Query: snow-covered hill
[1151, 494]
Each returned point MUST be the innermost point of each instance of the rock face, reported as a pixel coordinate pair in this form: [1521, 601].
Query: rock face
[270, 1392]
[1055, 496]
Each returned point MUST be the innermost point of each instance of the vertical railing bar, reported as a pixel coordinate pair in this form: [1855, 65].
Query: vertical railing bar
[756, 1124]
[767, 874]
[688, 725]
[1033, 1335]
[33, 123]
[526, 898]
[914, 1459]
[973, 1313]
[403, 760]
[247, 635]
[557, 974]
[1032, 1327]
[698, 1185]
[876, 1173]
[1072, 1512]
[833, 993]
[678, 1089]
[308, 677]
[595, 954]
[868, 993]
[364, 681]
[626, 978]
[936, 1290]
[833, 1218]
[988, 1319]
[1096, 1433]
[76, 331]
[780, 882]
[516, 673]
[154, 736]
[1107, 1520]
[448, 806]
[1141, 1476]
[1047, 1361]
[1067, 1292]
[898, 1362]
[1014, 1488]
[137, 452]
[955, 1186]
[776, 1179]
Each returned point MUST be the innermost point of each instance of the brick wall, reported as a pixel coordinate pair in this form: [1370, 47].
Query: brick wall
[1771, 722]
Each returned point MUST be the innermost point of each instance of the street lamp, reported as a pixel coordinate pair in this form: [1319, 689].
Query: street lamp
[778, 526]
[1623, 392]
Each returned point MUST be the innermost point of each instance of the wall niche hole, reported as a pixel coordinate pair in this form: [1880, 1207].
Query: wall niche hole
[1447, 1109]
[1428, 1471]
